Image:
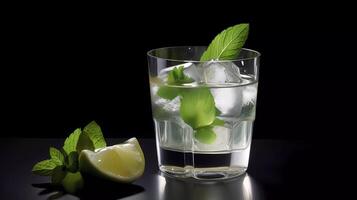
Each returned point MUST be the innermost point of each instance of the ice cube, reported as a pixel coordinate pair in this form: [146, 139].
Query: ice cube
[221, 72]
[221, 143]
[250, 94]
[249, 102]
[228, 100]
[190, 70]
[171, 106]
[165, 109]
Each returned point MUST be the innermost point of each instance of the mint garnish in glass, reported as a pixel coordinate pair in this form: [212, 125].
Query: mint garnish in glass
[197, 105]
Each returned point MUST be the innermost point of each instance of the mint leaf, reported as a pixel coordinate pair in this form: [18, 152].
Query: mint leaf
[56, 155]
[94, 132]
[218, 122]
[168, 92]
[197, 107]
[71, 162]
[44, 168]
[57, 175]
[227, 44]
[177, 77]
[57, 162]
[70, 144]
[205, 135]
[84, 142]
[218, 112]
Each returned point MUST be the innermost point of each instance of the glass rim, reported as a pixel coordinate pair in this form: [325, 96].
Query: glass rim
[150, 54]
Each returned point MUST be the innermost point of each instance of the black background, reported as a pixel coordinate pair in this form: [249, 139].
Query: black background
[65, 65]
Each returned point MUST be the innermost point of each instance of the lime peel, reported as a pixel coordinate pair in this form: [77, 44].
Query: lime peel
[122, 163]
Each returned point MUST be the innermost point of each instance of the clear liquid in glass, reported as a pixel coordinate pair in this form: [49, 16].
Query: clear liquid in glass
[182, 155]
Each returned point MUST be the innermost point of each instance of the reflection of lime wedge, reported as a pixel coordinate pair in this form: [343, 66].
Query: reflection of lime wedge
[122, 162]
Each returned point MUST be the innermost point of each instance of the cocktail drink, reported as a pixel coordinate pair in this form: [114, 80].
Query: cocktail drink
[203, 110]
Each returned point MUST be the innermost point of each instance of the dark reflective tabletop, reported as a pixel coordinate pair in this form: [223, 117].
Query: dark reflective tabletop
[277, 170]
[243, 187]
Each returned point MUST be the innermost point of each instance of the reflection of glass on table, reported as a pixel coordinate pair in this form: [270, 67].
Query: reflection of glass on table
[243, 188]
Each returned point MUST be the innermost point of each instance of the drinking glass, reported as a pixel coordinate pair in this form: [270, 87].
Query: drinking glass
[203, 111]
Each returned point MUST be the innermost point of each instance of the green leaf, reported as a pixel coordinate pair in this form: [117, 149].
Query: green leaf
[197, 107]
[218, 112]
[70, 144]
[58, 174]
[205, 135]
[84, 142]
[94, 132]
[72, 182]
[57, 162]
[218, 122]
[57, 156]
[71, 162]
[177, 77]
[227, 44]
[168, 92]
[44, 168]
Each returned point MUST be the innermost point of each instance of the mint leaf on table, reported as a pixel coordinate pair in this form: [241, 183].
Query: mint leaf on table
[197, 107]
[94, 132]
[70, 144]
[58, 174]
[63, 165]
[227, 44]
[56, 155]
[84, 142]
[71, 162]
[44, 168]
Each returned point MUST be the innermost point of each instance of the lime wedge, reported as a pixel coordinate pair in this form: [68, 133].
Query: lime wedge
[121, 163]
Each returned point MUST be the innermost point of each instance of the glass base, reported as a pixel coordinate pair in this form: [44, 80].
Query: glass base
[212, 173]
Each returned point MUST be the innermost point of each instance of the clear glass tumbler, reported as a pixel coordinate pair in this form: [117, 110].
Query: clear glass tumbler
[203, 111]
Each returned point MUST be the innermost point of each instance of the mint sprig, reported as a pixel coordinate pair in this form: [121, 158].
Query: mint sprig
[70, 144]
[94, 132]
[63, 164]
[56, 155]
[44, 168]
[228, 44]
[177, 77]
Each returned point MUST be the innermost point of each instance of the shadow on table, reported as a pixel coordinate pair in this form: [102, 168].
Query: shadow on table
[94, 188]
[49, 189]
[242, 187]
